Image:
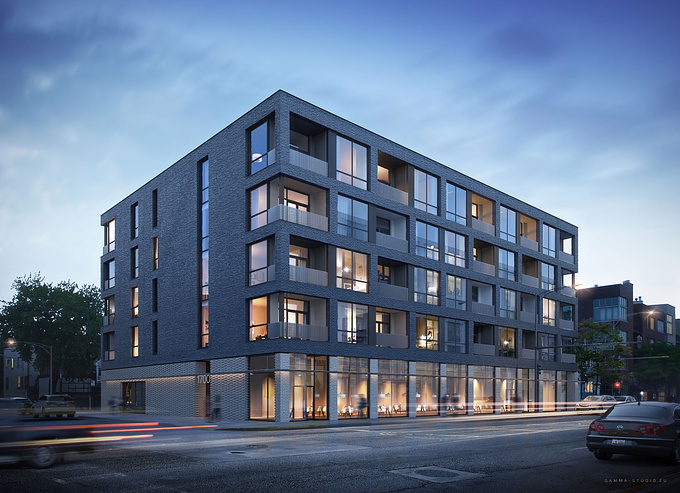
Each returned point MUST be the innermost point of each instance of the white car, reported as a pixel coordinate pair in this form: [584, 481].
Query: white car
[620, 399]
[596, 402]
[57, 404]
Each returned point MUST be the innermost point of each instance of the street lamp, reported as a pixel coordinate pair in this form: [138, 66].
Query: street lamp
[12, 342]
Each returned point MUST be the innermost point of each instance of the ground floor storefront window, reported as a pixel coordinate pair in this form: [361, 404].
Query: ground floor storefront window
[549, 390]
[483, 388]
[392, 388]
[352, 396]
[262, 387]
[308, 387]
[508, 401]
[456, 389]
[427, 389]
[134, 397]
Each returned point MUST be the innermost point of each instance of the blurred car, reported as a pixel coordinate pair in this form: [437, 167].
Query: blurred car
[24, 440]
[25, 408]
[624, 398]
[596, 402]
[57, 404]
[637, 428]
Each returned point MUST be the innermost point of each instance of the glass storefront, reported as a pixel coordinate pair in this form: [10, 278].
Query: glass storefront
[508, 400]
[352, 395]
[261, 383]
[456, 389]
[427, 389]
[549, 389]
[308, 387]
[392, 388]
[484, 399]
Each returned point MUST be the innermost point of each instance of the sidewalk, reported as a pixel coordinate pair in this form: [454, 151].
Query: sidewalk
[254, 425]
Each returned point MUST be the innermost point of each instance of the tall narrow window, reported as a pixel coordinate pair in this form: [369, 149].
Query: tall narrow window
[506, 264]
[427, 240]
[134, 221]
[257, 326]
[547, 276]
[110, 236]
[427, 332]
[258, 207]
[351, 270]
[134, 341]
[109, 310]
[549, 240]
[154, 295]
[456, 292]
[508, 303]
[352, 218]
[109, 274]
[259, 147]
[456, 336]
[508, 224]
[154, 208]
[549, 311]
[425, 286]
[258, 253]
[352, 323]
[134, 262]
[154, 249]
[352, 159]
[455, 248]
[456, 204]
[154, 337]
[203, 330]
[109, 346]
[134, 301]
[425, 192]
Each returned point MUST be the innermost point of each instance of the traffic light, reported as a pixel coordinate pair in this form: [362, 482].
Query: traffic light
[617, 385]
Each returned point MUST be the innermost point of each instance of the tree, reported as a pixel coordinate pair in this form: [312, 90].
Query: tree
[656, 373]
[599, 350]
[65, 317]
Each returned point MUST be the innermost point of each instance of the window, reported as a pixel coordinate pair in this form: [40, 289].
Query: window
[454, 248]
[204, 330]
[109, 346]
[383, 226]
[154, 208]
[134, 341]
[134, 263]
[295, 199]
[456, 293]
[508, 224]
[384, 175]
[456, 336]
[547, 347]
[547, 276]
[110, 236]
[296, 311]
[134, 221]
[204, 168]
[427, 332]
[669, 324]
[154, 337]
[259, 146]
[508, 303]
[456, 204]
[109, 274]
[549, 240]
[352, 323]
[351, 269]
[134, 303]
[568, 312]
[259, 256]
[506, 342]
[109, 310]
[298, 256]
[352, 218]
[384, 274]
[154, 295]
[258, 319]
[425, 192]
[568, 345]
[549, 312]
[382, 322]
[154, 249]
[427, 240]
[610, 309]
[352, 161]
[258, 207]
[425, 286]
[506, 264]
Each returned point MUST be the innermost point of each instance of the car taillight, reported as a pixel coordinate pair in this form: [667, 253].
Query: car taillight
[72, 403]
[595, 426]
[51, 403]
[653, 429]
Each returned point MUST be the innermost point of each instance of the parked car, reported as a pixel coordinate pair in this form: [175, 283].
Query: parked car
[24, 440]
[26, 403]
[637, 428]
[624, 398]
[57, 404]
[596, 402]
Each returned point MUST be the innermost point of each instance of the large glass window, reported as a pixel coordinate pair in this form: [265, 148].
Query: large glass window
[259, 262]
[296, 311]
[508, 224]
[567, 312]
[109, 346]
[549, 240]
[506, 264]
[295, 199]
[352, 323]
[610, 309]
[352, 159]
[352, 387]
[456, 292]
[456, 204]
[110, 236]
[427, 240]
[547, 276]
[425, 192]
[549, 311]
[258, 318]
[483, 389]
[425, 286]
[109, 274]
[427, 332]
[507, 342]
[456, 389]
[352, 218]
[259, 148]
[508, 303]
[427, 389]
[308, 386]
[456, 336]
[392, 388]
[258, 207]
[351, 270]
[261, 381]
[454, 248]
[547, 348]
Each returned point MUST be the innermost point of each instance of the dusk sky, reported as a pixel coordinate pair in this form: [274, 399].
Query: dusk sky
[573, 107]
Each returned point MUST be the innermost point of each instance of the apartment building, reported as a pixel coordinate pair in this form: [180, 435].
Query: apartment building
[301, 267]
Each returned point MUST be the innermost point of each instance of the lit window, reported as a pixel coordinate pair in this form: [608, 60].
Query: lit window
[135, 301]
[351, 270]
[134, 341]
[352, 161]
[110, 236]
[549, 312]
[205, 328]
[425, 286]
[427, 332]
[506, 342]
[352, 323]
[257, 326]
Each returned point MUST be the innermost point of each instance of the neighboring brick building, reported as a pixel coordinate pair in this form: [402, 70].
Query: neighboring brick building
[342, 275]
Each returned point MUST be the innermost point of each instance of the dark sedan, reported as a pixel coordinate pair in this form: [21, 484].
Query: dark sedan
[637, 428]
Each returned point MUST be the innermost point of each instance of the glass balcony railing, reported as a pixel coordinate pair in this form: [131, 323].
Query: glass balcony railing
[308, 162]
[291, 214]
[287, 330]
[392, 193]
[309, 276]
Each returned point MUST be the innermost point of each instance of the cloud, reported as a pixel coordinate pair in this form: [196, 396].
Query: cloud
[521, 44]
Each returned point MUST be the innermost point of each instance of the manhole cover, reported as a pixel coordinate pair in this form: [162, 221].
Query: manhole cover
[436, 474]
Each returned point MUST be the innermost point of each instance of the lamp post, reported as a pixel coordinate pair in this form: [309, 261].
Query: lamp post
[47, 348]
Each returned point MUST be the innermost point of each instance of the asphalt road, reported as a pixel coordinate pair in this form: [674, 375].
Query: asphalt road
[529, 455]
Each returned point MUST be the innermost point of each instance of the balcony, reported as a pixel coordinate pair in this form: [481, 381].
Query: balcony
[392, 193]
[528, 243]
[297, 216]
[566, 324]
[393, 291]
[529, 317]
[484, 349]
[528, 280]
[392, 242]
[391, 340]
[483, 308]
[568, 358]
[309, 276]
[286, 330]
[308, 162]
[483, 268]
[527, 354]
[483, 227]
[565, 257]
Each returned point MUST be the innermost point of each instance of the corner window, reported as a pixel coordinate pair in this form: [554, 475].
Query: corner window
[110, 236]
[426, 192]
[259, 147]
[352, 159]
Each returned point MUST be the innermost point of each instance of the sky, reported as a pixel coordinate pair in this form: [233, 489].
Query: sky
[572, 107]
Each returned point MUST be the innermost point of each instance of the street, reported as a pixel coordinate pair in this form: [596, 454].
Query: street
[521, 455]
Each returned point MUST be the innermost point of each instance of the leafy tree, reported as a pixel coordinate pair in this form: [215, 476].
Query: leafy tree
[654, 372]
[65, 317]
[599, 350]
